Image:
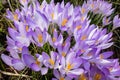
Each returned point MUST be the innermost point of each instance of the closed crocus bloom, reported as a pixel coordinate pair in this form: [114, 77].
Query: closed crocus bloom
[63, 48]
[106, 21]
[56, 39]
[116, 22]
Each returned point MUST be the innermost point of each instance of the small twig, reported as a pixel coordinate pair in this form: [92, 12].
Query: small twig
[13, 70]
[12, 74]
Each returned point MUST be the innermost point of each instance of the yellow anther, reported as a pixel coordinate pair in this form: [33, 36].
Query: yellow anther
[83, 37]
[61, 78]
[15, 16]
[54, 39]
[37, 62]
[26, 28]
[78, 27]
[64, 22]
[40, 38]
[20, 49]
[82, 77]
[97, 76]
[69, 66]
[52, 15]
[51, 62]
[83, 10]
[63, 54]
[82, 18]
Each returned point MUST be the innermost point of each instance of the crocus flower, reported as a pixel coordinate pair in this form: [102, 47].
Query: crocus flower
[97, 74]
[20, 36]
[114, 70]
[101, 7]
[39, 37]
[84, 9]
[70, 65]
[56, 39]
[60, 76]
[64, 48]
[51, 61]
[55, 12]
[13, 16]
[37, 20]
[116, 22]
[106, 21]
[66, 19]
[34, 64]
[14, 60]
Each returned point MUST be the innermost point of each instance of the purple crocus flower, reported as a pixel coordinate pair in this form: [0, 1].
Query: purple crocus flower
[116, 22]
[51, 61]
[21, 36]
[84, 9]
[95, 37]
[65, 21]
[106, 21]
[54, 10]
[37, 20]
[60, 76]
[14, 60]
[70, 65]
[56, 39]
[114, 70]
[105, 8]
[34, 64]
[64, 48]
[13, 16]
[97, 74]
[101, 7]
[39, 37]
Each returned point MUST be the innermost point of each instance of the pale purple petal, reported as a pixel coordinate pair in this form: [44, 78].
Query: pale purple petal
[18, 64]
[6, 59]
[44, 71]
[35, 67]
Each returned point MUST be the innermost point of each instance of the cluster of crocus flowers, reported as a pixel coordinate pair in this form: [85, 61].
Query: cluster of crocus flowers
[74, 44]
